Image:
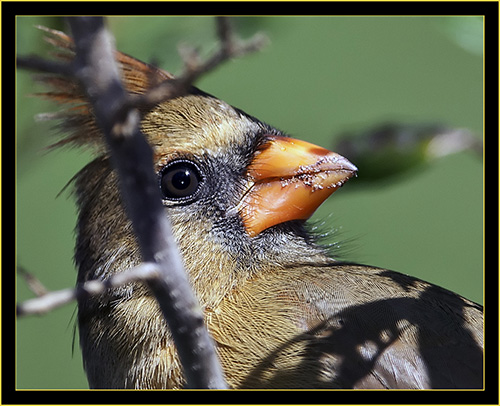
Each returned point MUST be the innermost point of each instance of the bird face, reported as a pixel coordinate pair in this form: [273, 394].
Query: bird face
[208, 151]
[226, 179]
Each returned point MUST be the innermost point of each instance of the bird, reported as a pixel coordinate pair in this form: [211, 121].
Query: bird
[282, 311]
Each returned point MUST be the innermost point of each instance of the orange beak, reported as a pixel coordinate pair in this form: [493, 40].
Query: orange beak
[288, 180]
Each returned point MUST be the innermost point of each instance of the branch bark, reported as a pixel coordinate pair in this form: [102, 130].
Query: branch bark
[131, 155]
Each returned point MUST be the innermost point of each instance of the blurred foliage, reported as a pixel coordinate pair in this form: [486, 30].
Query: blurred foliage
[465, 32]
[332, 81]
[391, 150]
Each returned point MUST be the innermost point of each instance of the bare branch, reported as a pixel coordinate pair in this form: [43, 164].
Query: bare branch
[33, 282]
[230, 47]
[44, 65]
[48, 301]
[96, 68]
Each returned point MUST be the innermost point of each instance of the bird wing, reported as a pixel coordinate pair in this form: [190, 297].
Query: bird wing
[388, 330]
[348, 326]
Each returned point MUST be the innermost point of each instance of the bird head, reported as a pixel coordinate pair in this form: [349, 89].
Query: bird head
[237, 191]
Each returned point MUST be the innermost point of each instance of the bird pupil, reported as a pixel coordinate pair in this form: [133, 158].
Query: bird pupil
[182, 179]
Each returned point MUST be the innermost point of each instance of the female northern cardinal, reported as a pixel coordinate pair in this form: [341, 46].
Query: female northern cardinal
[282, 312]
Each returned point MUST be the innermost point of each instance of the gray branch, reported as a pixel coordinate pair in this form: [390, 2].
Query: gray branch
[131, 155]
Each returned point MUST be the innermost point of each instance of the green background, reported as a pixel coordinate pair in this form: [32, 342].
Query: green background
[319, 77]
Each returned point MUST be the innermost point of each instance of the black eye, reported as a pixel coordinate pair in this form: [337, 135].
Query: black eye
[179, 180]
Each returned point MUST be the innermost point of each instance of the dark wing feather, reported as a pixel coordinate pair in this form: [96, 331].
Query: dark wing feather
[393, 331]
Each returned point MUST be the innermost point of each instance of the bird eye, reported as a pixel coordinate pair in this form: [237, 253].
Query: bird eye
[179, 180]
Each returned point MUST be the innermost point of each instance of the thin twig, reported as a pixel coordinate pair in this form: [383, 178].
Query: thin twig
[33, 282]
[230, 47]
[48, 301]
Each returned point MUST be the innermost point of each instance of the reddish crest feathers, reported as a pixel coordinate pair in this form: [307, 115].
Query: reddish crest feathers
[77, 119]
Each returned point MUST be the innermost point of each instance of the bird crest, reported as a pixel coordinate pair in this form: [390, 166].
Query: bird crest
[76, 119]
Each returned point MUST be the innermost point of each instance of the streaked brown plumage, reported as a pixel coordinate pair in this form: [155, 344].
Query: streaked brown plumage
[282, 312]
